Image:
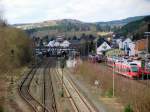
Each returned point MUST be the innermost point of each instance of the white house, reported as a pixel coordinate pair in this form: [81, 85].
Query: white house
[132, 49]
[123, 44]
[118, 40]
[127, 45]
[65, 44]
[103, 47]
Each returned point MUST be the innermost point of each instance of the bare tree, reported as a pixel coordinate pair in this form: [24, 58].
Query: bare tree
[3, 21]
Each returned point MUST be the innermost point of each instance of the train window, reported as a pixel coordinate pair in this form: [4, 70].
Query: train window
[129, 70]
[133, 64]
[147, 69]
[134, 69]
[123, 70]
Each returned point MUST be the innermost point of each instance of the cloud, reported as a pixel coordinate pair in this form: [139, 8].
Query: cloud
[22, 11]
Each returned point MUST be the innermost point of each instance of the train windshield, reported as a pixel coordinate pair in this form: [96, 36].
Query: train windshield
[134, 69]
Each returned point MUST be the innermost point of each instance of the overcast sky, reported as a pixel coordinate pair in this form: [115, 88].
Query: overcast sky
[27, 11]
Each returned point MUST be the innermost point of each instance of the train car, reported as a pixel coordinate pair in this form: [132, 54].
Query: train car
[110, 61]
[144, 72]
[123, 63]
[128, 69]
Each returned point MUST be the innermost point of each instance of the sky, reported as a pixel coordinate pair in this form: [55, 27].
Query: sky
[30, 11]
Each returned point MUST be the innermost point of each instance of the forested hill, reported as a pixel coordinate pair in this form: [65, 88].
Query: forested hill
[76, 25]
[136, 28]
[120, 22]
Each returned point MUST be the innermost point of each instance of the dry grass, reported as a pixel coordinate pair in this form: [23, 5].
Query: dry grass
[11, 63]
[16, 40]
[127, 90]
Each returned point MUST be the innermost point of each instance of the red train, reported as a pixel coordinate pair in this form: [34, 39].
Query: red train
[143, 71]
[128, 68]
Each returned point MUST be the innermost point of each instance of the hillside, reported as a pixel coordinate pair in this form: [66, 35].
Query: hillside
[136, 27]
[69, 24]
[15, 49]
[121, 22]
[73, 27]
[76, 24]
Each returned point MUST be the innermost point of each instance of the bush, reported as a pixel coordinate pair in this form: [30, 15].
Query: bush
[109, 93]
[128, 108]
[1, 109]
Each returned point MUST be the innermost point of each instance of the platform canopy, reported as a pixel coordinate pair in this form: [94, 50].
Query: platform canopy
[65, 44]
[56, 44]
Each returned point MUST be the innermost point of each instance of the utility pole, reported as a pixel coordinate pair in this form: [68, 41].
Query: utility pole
[113, 79]
[11, 80]
[147, 38]
[62, 83]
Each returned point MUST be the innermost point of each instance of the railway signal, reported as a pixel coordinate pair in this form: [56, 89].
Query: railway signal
[143, 66]
[62, 65]
[143, 63]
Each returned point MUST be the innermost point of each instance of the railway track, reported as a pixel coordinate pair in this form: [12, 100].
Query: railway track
[78, 101]
[24, 92]
[48, 92]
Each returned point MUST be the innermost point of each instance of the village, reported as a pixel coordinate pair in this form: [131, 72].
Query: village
[109, 45]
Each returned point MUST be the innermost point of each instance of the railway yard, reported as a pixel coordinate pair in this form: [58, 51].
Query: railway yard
[48, 88]
[42, 90]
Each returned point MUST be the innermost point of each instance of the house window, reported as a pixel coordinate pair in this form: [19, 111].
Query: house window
[104, 47]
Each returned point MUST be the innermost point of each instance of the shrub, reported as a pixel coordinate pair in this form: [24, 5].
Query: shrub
[128, 108]
[1, 109]
[109, 93]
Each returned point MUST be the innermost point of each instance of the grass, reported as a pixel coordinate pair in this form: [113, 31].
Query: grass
[126, 90]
